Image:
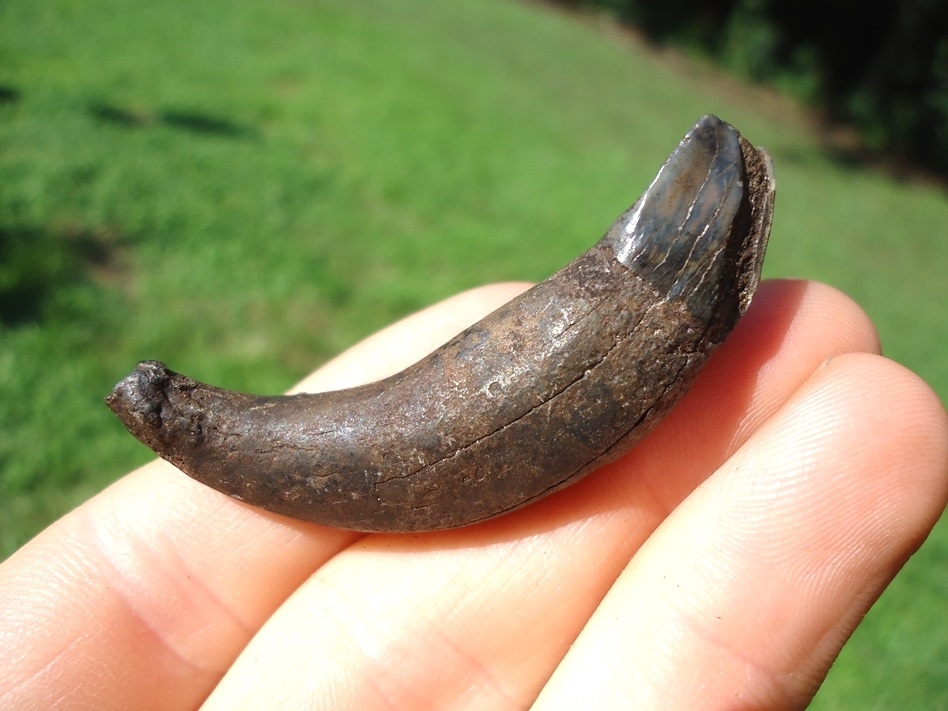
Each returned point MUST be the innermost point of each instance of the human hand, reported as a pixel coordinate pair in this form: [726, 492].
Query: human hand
[721, 564]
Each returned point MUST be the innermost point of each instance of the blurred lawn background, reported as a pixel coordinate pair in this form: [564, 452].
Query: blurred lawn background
[243, 189]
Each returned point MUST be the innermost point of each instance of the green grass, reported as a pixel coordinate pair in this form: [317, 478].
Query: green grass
[243, 189]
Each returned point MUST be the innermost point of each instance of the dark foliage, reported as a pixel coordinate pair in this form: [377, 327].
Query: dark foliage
[883, 66]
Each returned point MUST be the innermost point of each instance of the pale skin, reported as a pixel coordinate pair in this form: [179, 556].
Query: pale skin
[721, 565]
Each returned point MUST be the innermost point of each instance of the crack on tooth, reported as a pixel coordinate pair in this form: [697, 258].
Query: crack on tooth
[585, 375]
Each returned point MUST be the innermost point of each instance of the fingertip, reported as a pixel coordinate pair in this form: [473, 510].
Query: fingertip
[909, 430]
[781, 305]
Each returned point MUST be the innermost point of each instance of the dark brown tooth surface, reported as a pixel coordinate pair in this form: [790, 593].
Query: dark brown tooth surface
[564, 378]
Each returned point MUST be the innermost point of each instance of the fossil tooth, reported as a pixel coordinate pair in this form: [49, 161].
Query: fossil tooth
[564, 378]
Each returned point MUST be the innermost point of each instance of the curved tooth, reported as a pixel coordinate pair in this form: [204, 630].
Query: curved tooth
[550, 386]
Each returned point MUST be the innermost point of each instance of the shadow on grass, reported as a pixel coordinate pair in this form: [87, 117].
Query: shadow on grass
[38, 266]
[8, 95]
[190, 121]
